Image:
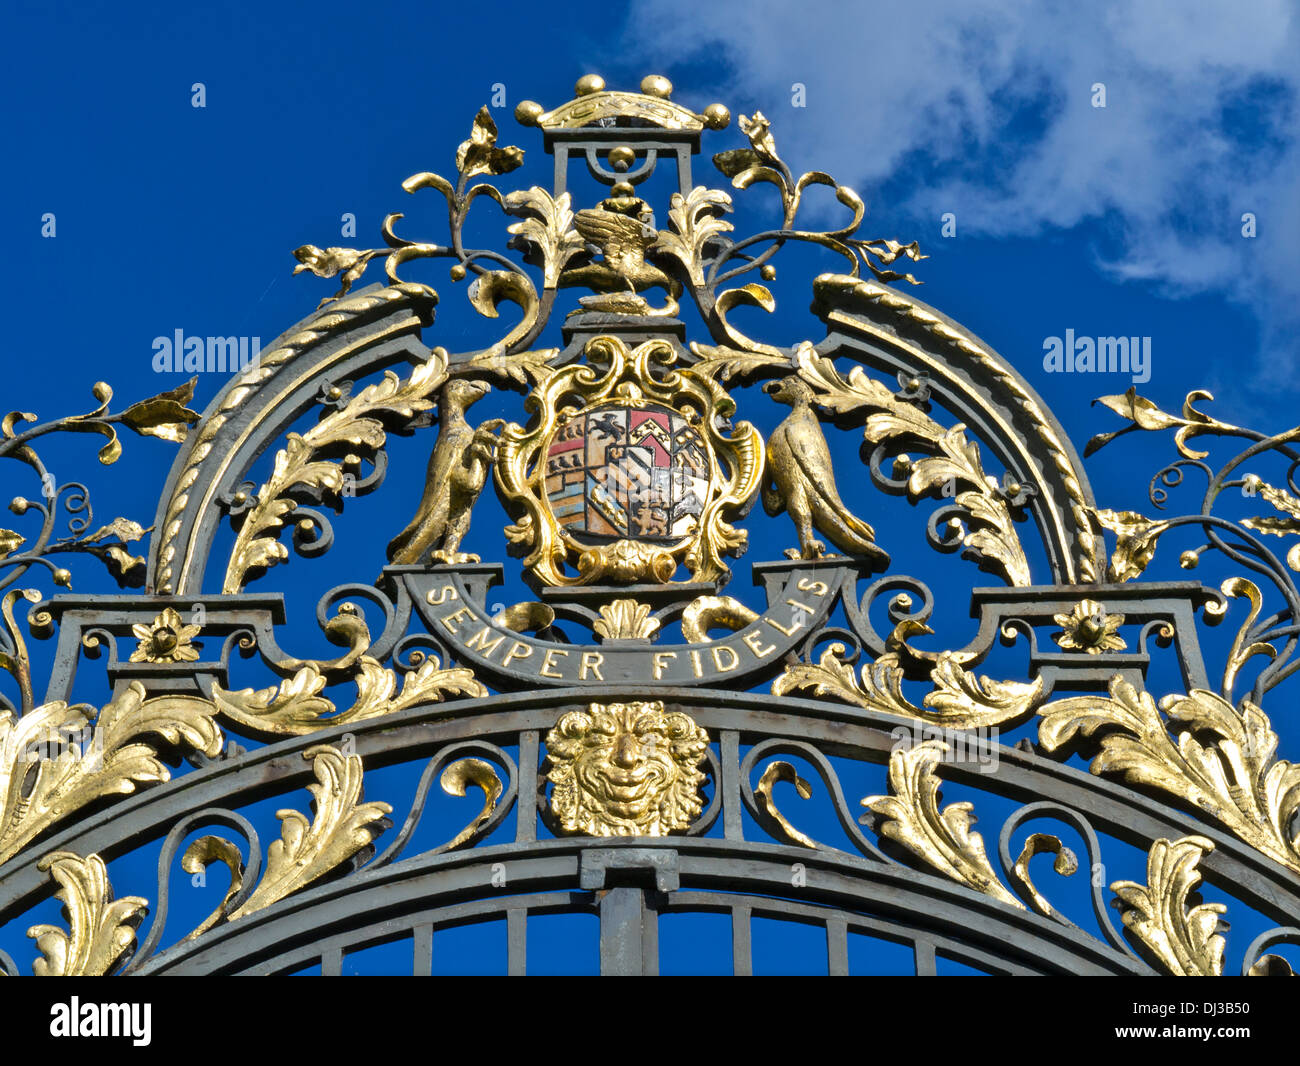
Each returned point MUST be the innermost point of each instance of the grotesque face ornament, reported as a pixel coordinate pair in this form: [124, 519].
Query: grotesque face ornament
[625, 769]
[626, 471]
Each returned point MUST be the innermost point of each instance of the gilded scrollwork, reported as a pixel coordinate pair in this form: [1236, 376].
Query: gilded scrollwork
[165, 416]
[1179, 935]
[92, 754]
[1066, 864]
[780, 770]
[1223, 761]
[456, 779]
[101, 929]
[296, 706]
[940, 838]
[342, 827]
[959, 699]
[302, 465]
[636, 768]
[705, 612]
[995, 541]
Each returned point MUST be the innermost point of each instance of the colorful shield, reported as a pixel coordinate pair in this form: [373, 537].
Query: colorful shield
[616, 471]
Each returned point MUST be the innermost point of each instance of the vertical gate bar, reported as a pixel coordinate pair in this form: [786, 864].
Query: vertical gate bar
[741, 958]
[561, 168]
[331, 962]
[837, 947]
[729, 746]
[924, 950]
[526, 802]
[649, 939]
[422, 950]
[517, 941]
[622, 932]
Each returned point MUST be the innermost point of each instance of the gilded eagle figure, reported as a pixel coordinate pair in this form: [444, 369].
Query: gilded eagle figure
[622, 230]
[801, 481]
[457, 471]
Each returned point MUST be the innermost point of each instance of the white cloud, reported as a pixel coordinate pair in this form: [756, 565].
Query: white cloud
[1202, 122]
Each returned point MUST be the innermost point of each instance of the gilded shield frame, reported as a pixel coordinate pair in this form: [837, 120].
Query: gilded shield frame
[642, 376]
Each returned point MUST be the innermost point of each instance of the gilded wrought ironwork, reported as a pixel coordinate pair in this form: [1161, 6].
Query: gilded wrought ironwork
[341, 826]
[625, 620]
[1089, 628]
[100, 928]
[57, 759]
[1233, 775]
[802, 481]
[625, 471]
[939, 837]
[167, 639]
[1181, 936]
[959, 699]
[631, 730]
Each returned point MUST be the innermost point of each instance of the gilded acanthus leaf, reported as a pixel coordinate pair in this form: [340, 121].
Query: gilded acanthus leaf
[959, 699]
[694, 221]
[1286, 525]
[1222, 762]
[1135, 541]
[548, 226]
[122, 529]
[100, 928]
[298, 468]
[722, 363]
[296, 707]
[956, 460]
[87, 764]
[9, 540]
[341, 827]
[942, 839]
[625, 620]
[1182, 939]
[1243, 648]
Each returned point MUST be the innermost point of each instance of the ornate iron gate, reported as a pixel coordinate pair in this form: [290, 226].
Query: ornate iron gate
[628, 728]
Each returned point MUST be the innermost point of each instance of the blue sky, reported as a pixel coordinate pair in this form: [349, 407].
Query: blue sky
[1125, 219]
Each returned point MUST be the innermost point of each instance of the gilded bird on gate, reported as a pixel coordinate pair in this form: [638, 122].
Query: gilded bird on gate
[802, 481]
[622, 230]
[456, 474]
